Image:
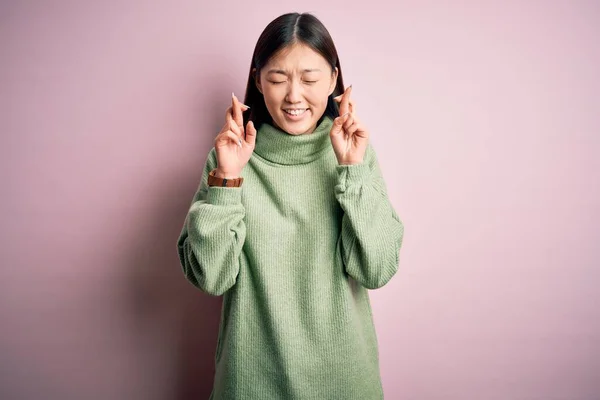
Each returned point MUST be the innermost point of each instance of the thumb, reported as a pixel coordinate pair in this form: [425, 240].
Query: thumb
[250, 133]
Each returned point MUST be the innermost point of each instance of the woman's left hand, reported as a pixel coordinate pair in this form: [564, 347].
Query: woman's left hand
[349, 137]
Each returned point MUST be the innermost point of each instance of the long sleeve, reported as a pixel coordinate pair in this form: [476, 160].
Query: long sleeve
[372, 232]
[212, 236]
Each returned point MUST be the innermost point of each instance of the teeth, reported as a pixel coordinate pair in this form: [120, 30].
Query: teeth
[295, 112]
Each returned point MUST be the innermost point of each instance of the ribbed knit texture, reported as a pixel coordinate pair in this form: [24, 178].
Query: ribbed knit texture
[293, 252]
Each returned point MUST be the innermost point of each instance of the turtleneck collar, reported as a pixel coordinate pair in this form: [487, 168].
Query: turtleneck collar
[280, 147]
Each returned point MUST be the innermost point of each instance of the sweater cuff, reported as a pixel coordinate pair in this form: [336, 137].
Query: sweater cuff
[351, 175]
[223, 196]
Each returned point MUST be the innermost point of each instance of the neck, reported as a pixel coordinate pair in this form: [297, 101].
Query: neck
[280, 147]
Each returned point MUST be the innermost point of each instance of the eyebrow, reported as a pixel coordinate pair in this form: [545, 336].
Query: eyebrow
[280, 71]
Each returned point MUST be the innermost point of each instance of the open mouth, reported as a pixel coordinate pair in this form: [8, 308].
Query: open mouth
[295, 114]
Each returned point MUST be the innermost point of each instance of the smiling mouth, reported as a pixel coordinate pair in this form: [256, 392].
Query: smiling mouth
[296, 112]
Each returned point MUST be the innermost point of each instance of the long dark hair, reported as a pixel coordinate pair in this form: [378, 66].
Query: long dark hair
[284, 31]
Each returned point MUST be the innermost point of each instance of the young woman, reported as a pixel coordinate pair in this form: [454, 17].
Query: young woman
[292, 224]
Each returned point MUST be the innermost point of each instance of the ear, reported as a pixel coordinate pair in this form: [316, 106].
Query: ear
[257, 80]
[334, 76]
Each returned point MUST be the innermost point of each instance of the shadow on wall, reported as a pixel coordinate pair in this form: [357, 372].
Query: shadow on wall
[162, 300]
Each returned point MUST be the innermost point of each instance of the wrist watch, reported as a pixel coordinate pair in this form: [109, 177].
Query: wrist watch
[215, 181]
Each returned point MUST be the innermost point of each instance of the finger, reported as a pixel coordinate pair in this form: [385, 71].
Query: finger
[352, 129]
[228, 113]
[232, 125]
[242, 105]
[345, 103]
[339, 96]
[338, 124]
[230, 109]
[351, 104]
[237, 111]
[250, 133]
[229, 121]
[229, 136]
[358, 129]
[361, 130]
[349, 121]
[343, 106]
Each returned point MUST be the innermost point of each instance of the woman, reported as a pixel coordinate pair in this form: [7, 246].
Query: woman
[291, 223]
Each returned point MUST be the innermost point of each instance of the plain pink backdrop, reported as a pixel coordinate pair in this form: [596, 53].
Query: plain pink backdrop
[486, 120]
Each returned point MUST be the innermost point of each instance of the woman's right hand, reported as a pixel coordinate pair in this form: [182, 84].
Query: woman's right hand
[234, 144]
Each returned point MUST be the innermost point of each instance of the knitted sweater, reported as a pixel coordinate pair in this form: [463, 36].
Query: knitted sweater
[293, 251]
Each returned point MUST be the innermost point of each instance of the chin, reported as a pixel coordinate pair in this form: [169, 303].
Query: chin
[295, 128]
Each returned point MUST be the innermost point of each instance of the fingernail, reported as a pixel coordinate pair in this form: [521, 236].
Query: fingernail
[243, 105]
[232, 95]
[240, 142]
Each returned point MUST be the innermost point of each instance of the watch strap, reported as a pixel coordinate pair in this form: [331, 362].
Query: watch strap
[223, 182]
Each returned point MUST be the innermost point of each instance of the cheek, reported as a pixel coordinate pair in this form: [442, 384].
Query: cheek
[273, 96]
[318, 96]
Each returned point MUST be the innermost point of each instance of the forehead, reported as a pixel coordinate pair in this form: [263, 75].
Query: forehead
[298, 57]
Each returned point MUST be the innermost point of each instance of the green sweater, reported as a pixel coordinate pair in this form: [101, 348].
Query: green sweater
[293, 251]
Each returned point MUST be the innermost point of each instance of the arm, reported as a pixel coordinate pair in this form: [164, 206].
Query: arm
[212, 236]
[372, 233]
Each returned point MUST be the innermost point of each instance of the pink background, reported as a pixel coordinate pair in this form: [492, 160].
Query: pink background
[486, 120]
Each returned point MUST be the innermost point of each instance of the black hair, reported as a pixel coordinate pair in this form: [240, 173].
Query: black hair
[284, 31]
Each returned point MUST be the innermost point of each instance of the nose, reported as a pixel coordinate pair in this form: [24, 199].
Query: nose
[294, 94]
